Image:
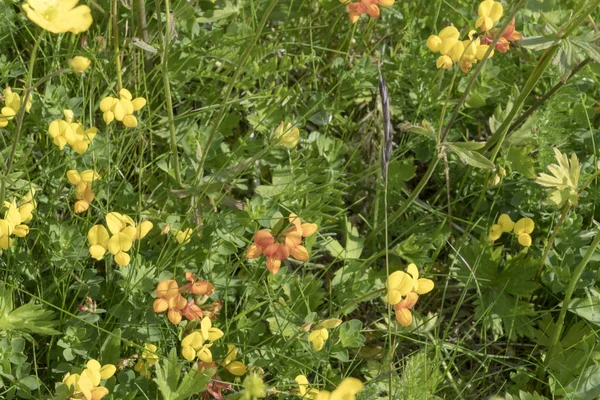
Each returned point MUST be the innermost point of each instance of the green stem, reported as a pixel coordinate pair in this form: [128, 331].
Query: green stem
[167, 89]
[21, 115]
[563, 216]
[238, 71]
[500, 134]
[116, 45]
[568, 295]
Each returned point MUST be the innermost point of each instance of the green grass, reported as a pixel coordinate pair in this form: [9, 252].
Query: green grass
[203, 157]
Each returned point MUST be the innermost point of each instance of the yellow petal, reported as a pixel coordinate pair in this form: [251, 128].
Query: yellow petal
[524, 225]
[138, 103]
[188, 353]
[506, 223]
[434, 43]
[236, 368]
[107, 371]
[122, 259]
[114, 221]
[525, 239]
[425, 286]
[98, 235]
[97, 251]
[130, 121]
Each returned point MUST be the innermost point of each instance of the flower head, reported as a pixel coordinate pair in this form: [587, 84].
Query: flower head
[523, 229]
[195, 344]
[370, 7]
[83, 187]
[65, 131]
[59, 16]
[236, 368]
[147, 360]
[287, 136]
[489, 12]
[118, 239]
[16, 216]
[346, 390]
[122, 109]
[87, 384]
[279, 247]
[79, 64]
[12, 106]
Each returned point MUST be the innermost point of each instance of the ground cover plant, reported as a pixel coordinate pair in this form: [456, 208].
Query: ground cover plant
[366, 199]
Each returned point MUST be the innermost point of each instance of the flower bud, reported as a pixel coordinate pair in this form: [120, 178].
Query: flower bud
[79, 64]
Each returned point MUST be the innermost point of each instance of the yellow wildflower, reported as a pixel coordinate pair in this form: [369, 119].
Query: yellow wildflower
[182, 236]
[66, 131]
[489, 12]
[12, 106]
[194, 345]
[346, 390]
[147, 360]
[287, 136]
[59, 16]
[79, 64]
[87, 384]
[522, 229]
[83, 187]
[318, 338]
[236, 368]
[122, 109]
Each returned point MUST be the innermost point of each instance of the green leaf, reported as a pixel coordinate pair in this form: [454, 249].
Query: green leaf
[111, 348]
[538, 42]
[521, 161]
[471, 157]
[587, 308]
[350, 335]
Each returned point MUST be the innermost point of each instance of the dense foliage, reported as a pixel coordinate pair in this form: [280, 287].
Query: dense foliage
[299, 199]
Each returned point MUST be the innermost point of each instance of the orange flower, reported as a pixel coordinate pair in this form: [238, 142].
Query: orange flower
[509, 36]
[281, 247]
[198, 288]
[371, 7]
[168, 297]
[402, 309]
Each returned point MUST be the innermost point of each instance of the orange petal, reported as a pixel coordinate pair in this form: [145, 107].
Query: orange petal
[300, 253]
[263, 238]
[273, 265]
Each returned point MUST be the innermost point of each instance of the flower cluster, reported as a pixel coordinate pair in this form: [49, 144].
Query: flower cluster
[236, 368]
[59, 16]
[465, 52]
[65, 131]
[123, 232]
[281, 245]
[347, 390]
[404, 289]
[12, 105]
[522, 228]
[320, 333]
[370, 7]
[169, 297]
[195, 345]
[16, 217]
[87, 384]
[286, 136]
[83, 187]
[510, 35]
[122, 109]
[468, 52]
[147, 360]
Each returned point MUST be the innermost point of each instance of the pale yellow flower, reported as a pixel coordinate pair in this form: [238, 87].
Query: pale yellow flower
[59, 16]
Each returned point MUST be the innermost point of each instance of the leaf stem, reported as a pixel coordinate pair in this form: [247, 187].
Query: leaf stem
[167, 90]
[21, 115]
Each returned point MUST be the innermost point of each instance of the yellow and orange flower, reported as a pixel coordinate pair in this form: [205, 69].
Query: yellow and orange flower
[404, 289]
[370, 7]
[281, 246]
[169, 297]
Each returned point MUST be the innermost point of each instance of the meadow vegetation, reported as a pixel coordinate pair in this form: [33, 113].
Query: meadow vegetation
[245, 199]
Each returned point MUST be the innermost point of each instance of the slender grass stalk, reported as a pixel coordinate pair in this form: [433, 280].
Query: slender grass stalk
[21, 114]
[167, 90]
[565, 304]
[115, 32]
[561, 220]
